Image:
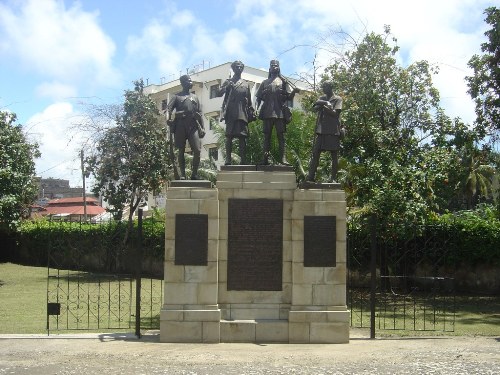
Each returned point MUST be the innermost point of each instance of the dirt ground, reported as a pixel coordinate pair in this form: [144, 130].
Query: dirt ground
[125, 354]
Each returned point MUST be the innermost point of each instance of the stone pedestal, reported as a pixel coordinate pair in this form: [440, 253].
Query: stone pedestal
[318, 312]
[275, 267]
[190, 311]
[256, 315]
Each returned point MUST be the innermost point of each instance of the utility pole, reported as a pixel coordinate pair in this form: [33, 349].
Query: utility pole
[84, 193]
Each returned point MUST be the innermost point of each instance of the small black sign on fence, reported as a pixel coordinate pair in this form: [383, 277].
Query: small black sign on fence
[53, 308]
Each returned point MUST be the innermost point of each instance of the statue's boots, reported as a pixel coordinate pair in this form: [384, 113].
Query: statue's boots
[313, 165]
[335, 168]
[243, 150]
[196, 165]
[229, 150]
[265, 159]
[282, 157]
[182, 166]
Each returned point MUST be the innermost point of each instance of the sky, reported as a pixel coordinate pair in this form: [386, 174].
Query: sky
[59, 56]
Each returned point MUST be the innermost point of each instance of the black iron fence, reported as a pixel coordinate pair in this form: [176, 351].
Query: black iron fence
[391, 284]
[399, 284]
[105, 285]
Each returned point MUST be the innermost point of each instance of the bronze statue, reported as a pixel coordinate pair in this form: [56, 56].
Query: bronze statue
[275, 92]
[237, 111]
[328, 130]
[187, 125]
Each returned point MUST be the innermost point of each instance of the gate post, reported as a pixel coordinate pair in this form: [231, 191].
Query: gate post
[138, 276]
[373, 271]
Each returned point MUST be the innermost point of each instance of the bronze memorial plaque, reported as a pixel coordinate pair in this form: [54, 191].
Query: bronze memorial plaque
[191, 239]
[320, 241]
[255, 244]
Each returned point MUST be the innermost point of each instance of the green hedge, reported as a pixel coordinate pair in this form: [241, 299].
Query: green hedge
[455, 239]
[99, 245]
[470, 237]
[475, 236]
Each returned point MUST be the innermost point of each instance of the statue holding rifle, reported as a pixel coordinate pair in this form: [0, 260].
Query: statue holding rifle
[187, 126]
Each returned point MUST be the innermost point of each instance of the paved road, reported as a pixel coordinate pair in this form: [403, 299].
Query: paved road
[124, 354]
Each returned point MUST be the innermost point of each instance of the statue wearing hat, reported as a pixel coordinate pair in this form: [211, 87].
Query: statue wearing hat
[187, 126]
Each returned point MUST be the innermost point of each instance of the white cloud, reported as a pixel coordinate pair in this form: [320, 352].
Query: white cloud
[55, 90]
[203, 44]
[154, 43]
[183, 18]
[182, 41]
[65, 44]
[59, 144]
[234, 43]
[445, 33]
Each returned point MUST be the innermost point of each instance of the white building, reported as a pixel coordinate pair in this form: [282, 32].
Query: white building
[206, 84]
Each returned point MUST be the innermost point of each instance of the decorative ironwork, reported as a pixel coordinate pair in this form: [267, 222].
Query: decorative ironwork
[81, 299]
[410, 292]
[89, 301]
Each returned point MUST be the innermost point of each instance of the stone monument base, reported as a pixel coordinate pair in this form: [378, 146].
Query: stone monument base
[268, 267]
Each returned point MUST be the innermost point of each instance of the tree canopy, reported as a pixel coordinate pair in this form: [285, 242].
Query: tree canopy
[130, 159]
[484, 85]
[402, 157]
[394, 124]
[18, 189]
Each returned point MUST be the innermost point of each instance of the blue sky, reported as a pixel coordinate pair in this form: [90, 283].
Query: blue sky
[56, 55]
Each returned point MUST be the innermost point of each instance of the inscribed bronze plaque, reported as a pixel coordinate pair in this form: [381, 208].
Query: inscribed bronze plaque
[255, 244]
[191, 239]
[320, 241]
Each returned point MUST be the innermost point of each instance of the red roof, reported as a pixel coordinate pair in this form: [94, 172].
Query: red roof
[65, 201]
[73, 206]
[73, 210]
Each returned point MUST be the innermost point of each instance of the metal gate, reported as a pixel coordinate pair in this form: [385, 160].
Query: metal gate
[398, 284]
[94, 283]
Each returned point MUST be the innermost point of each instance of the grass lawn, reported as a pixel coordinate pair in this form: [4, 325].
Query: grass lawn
[23, 300]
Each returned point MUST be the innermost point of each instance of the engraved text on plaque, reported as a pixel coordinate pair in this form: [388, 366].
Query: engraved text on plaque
[319, 241]
[191, 239]
[255, 244]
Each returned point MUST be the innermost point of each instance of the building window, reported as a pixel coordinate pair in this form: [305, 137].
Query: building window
[214, 90]
[212, 121]
[289, 103]
[213, 153]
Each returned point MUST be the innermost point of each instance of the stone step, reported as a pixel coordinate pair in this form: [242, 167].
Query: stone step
[254, 331]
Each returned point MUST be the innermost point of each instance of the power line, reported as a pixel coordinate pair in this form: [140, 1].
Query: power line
[57, 165]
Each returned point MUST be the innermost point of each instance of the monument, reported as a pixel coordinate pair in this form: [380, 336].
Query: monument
[267, 263]
[256, 258]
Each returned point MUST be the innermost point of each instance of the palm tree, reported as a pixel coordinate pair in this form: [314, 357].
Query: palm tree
[478, 179]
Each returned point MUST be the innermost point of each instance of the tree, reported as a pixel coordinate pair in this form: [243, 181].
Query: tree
[131, 159]
[484, 85]
[17, 171]
[394, 162]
